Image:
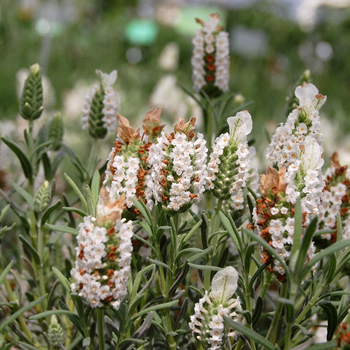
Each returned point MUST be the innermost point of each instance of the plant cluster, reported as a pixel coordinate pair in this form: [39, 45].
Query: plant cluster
[175, 248]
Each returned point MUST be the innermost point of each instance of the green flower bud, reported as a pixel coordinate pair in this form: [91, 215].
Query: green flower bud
[56, 131]
[101, 107]
[55, 329]
[42, 198]
[31, 101]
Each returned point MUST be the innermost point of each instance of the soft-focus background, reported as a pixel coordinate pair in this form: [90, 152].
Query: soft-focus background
[149, 43]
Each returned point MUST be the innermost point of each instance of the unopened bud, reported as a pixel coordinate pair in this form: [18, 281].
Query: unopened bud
[56, 131]
[55, 333]
[42, 198]
[31, 101]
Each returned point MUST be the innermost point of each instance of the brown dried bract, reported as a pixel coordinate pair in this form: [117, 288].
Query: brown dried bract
[112, 210]
[151, 121]
[125, 131]
[335, 160]
[199, 21]
[273, 180]
[186, 128]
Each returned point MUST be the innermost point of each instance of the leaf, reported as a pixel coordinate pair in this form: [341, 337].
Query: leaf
[72, 317]
[257, 273]
[205, 267]
[5, 272]
[160, 264]
[20, 312]
[48, 212]
[95, 187]
[232, 230]
[178, 279]
[298, 230]
[331, 313]
[64, 229]
[147, 227]
[144, 327]
[182, 314]
[143, 209]
[61, 278]
[248, 256]
[326, 252]
[261, 241]
[249, 333]
[89, 201]
[154, 308]
[25, 163]
[188, 92]
[49, 313]
[200, 255]
[259, 305]
[23, 193]
[331, 268]
[289, 309]
[331, 345]
[305, 246]
[193, 230]
[28, 246]
[137, 280]
[77, 191]
[75, 210]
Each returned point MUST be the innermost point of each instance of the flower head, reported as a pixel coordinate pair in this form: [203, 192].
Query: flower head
[101, 106]
[211, 57]
[103, 256]
[207, 320]
[177, 169]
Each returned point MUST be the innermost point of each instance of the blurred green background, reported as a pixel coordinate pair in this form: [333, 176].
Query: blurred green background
[272, 43]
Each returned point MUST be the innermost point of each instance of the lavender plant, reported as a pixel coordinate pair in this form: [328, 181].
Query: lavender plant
[72, 275]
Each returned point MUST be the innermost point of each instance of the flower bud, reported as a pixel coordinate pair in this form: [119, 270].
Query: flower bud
[42, 198]
[229, 166]
[55, 330]
[211, 58]
[207, 322]
[101, 106]
[56, 131]
[31, 101]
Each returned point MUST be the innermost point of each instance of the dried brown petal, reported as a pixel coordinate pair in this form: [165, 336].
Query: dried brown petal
[186, 128]
[111, 211]
[273, 180]
[151, 121]
[125, 131]
[335, 160]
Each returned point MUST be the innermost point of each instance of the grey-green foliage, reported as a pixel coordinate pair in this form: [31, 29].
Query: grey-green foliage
[31, 101]
[42, 198]
[56, 131]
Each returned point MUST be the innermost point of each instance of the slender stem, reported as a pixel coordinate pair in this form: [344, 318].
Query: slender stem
[249, 306]
[100, 314]
[92, 158]
[209, 128]
[214, 225]
[271, 334]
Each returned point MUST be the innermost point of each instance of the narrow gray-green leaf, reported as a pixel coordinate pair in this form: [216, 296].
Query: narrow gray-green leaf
[20, 312]
[249, 333]
[64, 229]
[24, 194]
[154, 308]
[5, 272]
[49, 313]
[77, 191]
[62, 279]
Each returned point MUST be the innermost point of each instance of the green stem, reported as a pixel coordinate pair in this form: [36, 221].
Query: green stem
[92, 158]
[249, 306]
[214, 225]
[100, 314]
[271, 334]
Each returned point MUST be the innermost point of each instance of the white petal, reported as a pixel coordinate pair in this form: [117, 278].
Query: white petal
[312, 155]
[224, 284]
[108, 79]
